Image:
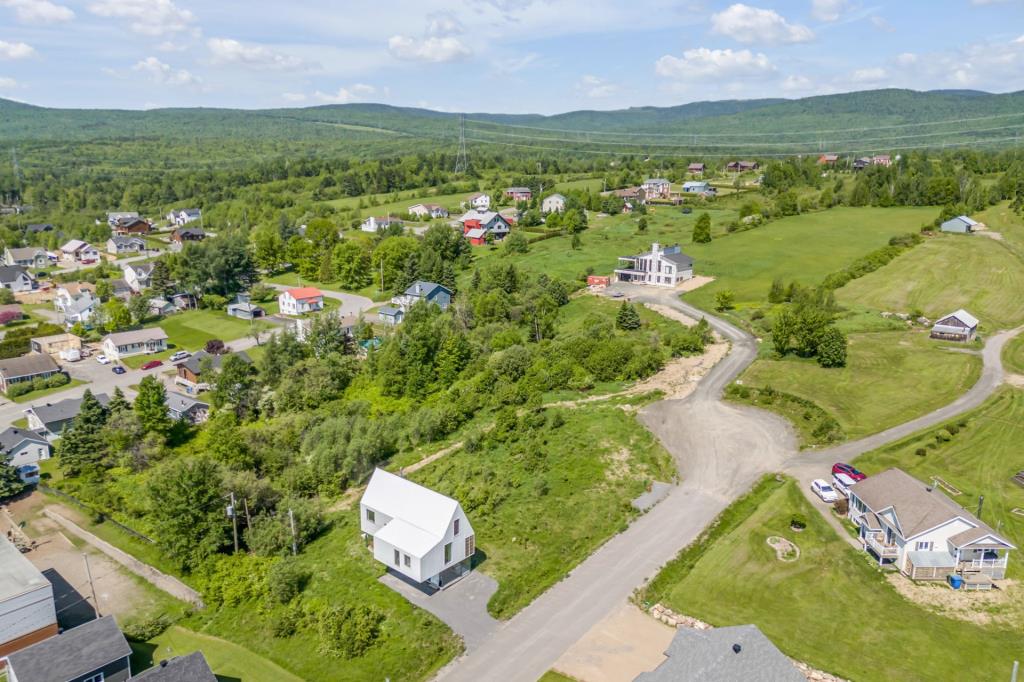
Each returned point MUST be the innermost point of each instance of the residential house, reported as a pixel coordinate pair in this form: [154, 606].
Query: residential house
[926, 535]
[415, 531]
[483, 224]
[727, 654]
[190, 668]
[79, 252]
[632, 195]
[377, 223]
[39, 228]
[657, 188]
[16, 278]
[420, 291]
[129, 226]
[347, 323]
[137, 275]
[121, 289]
[742, 166]
[861, 163]
[183, 301]
[518, 193]
[161, 307]
[27, 257]
[390, 316]
[660, 266]
[300, 301]
[958, 326]
[187, 234]
[115, 217]
[185, 408]
[244, 309]
[55, 345]
[136, 342]
[27, 611]
[479, 201]
[50, 419]
[184, 216]
[961, 224]
[75, 309]
[828, 159]
[428, 211]
[554, 203]
[23, 450]
[190, 372]
[699, 187]
[93, 652]
[881, 160]
[26, 368]
[695, 168]
[119, 246]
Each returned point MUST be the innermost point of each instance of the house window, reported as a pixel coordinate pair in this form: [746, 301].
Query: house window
[408, 561]
[448, 553]
[98, 677]
[923, 546]
[470, 546]
[370, 516]
[456, 527]
[397, 562]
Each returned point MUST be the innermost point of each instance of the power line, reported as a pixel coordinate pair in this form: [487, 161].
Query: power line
[462, 160]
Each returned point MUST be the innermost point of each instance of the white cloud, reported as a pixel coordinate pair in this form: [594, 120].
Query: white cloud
[1019, 41]
[165, 74]
[827, 10]
[356, 93]
[881, 24]
[38, 11]
[595, 87]
[797, 84]
[706, 63]
[869, 75]
[148, 17]
[15, 50]
[505, 67]
[433, 49]
[444, 24]
[7, 83]
[906, 58]
[229, 51]
[747, 24]
[171, 46]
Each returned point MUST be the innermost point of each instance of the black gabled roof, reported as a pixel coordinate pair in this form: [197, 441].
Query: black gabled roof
[190, 668]
[72, 654]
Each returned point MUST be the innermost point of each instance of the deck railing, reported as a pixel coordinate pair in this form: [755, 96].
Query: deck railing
[883, 550]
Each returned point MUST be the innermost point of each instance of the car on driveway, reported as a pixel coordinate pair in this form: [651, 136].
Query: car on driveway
[152, 364]
[118, 369]
[849, 470]
[822, 489]
[180, 355]
[102, 359]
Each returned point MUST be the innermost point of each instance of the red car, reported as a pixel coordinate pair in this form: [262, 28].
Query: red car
[841, 468]
[152, 363]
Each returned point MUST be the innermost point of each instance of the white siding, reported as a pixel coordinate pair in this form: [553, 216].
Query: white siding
[27, 613]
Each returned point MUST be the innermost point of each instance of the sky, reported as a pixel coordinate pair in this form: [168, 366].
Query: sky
[524, 56]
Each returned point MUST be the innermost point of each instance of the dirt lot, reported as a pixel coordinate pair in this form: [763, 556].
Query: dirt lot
[62, 562]
[1002, 606]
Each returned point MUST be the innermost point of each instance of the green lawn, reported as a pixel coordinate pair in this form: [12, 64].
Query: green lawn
[36, 395]
[978, 460]
[831, 608]
[945, 273]
[1000, 218]
[227, 660]
[555, 676]
[190, 330]
[398, 207]
[889, 378]
[1013, 355]
[588, 468]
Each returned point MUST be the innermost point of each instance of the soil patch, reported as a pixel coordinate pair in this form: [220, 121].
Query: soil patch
[1003, 606]
[784, 549]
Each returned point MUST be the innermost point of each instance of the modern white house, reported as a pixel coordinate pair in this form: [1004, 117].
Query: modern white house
[300, 301]
[27, 611]
[429, 211]
[958, 326]
[377, 223]
[420, 291]
[657, 188]
[137, 342]
[925, 534]
[553, 203]
[75, 308]
[480, 201]
[961, 224]
[666, 267]
[416, 531]
[184, 216]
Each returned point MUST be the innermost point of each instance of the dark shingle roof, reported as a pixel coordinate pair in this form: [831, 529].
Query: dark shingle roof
[72, 654]
[191, 668]
[27, 365]
[423, 289]
[10, 437]
[9, 273]
[680, 259]
[63, 409]
[195, 363]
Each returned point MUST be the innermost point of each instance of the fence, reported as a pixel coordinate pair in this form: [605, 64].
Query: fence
[82, 505]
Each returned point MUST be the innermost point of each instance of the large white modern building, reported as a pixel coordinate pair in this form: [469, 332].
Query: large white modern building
[661, 266]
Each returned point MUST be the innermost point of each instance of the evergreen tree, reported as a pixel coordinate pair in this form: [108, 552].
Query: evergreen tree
[81, 446]
[452, 357]
[474, 283]
[138, 307]
[160, 278]
[777, 294]
[702, 229]
[627, 319]
[641, 225]
[326, 336]
[151, 406]
[10, 482]
[187, 511]
[408, 275]
[118, 402]
[576, 243]
[235, 386]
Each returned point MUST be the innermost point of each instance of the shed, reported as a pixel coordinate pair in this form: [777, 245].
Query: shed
[957, 326]
[961, 224]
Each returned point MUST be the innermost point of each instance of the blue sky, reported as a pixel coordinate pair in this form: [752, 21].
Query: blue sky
[543, 56]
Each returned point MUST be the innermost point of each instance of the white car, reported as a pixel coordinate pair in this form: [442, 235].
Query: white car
[822, 489]
[102, 359]
[180, 355]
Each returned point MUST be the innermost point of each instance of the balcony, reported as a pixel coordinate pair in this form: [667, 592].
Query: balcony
[879, 547]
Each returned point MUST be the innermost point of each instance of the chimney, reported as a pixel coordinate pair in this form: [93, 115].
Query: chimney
[736, 648]
[655, 248]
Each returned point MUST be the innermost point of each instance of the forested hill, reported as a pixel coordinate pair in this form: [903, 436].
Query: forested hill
[931, 118]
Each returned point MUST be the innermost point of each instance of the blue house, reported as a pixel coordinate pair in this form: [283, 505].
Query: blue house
[390, 315]
[431, 292]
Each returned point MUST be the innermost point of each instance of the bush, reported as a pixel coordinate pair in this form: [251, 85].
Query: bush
[58, 380]
[842, 506]
[920, 452]
[20, 388]
[798, 522]
[147, 628]
[349, 631]
[285, 581]
[285, 622]
[262, 293]
[214, 302]
[724, 300]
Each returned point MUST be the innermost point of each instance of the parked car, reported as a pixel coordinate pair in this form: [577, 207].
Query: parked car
[118, 369]
[843, 468]
[102, 359]
[152, 364]
[822, 489]
[180, 355]
[843, 482]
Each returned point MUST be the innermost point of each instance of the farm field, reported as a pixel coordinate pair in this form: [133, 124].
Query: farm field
[806, 607]
[943, 274]
[980, 459]
[1010, 226]
[227, 660]
[889, 378]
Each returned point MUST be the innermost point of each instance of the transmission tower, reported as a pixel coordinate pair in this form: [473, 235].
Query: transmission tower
[462, 160]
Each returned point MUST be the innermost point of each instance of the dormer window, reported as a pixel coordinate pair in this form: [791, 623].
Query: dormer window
[456, 527]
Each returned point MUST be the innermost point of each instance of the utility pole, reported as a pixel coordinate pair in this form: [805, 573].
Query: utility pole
[1013, 675]
[92, 587]
[234, 520]
[291, 522]
[462, 159]
[981, 502]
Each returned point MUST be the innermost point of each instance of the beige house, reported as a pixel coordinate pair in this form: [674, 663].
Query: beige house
[126, 344]
[56, 344]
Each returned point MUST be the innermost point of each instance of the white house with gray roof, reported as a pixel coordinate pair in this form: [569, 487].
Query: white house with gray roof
[657, 188]
[137, 275]
[23, 450]
[125, 344]
[27, 257]
[926, 535]
[661, 266]
[416, 531]
[553, 203]
[50, 419]
[16, 278]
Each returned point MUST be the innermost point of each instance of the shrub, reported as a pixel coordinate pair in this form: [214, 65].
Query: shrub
[798, 522]
[842, 506]
[20, 388]
[349, 631]
[261, 293]
[920, 452]
[214, 302]
[147, 628]
[285, 581]
[285, 622]
[58, 380]
[724, 300]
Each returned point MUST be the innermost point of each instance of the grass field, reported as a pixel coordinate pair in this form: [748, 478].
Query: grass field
[979, 460]
[36, 395]
[889, 378]
[831, 608]
[588, 468]
[946, 273]
[1009, 225]
[1013, 355]
[227, 660]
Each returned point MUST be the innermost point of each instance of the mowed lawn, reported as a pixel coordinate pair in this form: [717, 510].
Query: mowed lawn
[943, 274]
[980, 459]
[889, 378]
[831, 608]
[227, 660]
[1013, 355]
[193, 328]
[1010, 226]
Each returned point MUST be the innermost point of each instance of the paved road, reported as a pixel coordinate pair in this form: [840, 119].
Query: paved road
[721, 450]
[351, 304]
